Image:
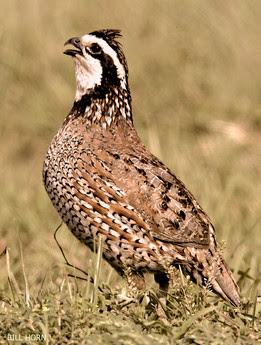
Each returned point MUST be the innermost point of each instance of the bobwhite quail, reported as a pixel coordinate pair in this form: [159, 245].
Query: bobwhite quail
[103, 181]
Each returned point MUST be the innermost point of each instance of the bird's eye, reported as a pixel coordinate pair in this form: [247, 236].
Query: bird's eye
[95, 48]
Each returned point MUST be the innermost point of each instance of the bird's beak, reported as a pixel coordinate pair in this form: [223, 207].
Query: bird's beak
[76, 42]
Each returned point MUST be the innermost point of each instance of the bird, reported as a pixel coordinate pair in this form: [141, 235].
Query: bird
[103, 181]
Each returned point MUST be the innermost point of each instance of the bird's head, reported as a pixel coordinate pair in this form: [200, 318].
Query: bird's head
[100, 64]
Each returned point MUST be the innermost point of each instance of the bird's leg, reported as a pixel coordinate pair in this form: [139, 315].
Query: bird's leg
[163, 281]
[134, 279]
[137, 280]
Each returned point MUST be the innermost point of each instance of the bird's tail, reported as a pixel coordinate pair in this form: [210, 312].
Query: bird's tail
[210, 269]
[224, 284]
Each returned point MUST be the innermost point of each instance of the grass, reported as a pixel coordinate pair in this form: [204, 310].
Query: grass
[195, 74]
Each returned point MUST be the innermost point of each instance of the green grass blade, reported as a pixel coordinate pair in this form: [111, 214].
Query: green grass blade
[97, 270]
[187, 324]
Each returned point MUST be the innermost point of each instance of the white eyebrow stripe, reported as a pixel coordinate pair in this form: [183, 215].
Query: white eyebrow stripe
[88, 39]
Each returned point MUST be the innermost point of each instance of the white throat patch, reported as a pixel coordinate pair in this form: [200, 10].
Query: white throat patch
[88, 72]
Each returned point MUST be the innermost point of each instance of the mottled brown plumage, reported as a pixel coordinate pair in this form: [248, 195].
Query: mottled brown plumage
[103, 181]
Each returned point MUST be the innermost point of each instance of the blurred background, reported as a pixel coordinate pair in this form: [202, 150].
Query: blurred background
[195, 77]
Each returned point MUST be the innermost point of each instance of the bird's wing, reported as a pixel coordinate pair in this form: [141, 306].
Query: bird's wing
[152, 198]
[170, 210]
[179, 218]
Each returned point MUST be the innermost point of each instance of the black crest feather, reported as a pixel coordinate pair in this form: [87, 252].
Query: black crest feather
[110, 36]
